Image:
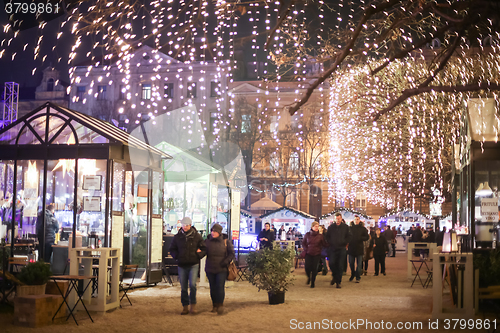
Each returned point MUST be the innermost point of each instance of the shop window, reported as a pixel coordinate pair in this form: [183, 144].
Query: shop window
[146, 91]
[191, 90]
[80, 93]
[101, 93]
[168, 90]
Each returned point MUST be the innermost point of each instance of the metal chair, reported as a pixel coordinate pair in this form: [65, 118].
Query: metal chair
[125, 287]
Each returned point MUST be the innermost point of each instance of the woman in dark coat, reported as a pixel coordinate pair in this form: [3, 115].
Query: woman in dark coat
[380, 249]
[220, 252]
[312, 244]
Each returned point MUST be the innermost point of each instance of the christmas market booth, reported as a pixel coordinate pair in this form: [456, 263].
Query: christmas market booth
[289, 218]
[104, 185]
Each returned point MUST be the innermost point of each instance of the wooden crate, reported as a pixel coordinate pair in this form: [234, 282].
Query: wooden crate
[37, 310]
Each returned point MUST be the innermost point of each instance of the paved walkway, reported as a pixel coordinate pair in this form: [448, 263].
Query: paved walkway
[376, 304]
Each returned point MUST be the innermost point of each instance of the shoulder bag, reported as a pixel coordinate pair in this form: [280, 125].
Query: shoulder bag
[232, 271]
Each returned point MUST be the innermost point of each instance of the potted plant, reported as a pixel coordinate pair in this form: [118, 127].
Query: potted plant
[270, 270]
[34, 276]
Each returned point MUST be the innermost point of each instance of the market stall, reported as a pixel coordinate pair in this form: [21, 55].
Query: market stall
[405, 219]
[104, 184]
[290, 218]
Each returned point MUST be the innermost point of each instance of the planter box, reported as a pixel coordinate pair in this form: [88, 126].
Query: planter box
[30, 290]
[37, 310]
[276, 298]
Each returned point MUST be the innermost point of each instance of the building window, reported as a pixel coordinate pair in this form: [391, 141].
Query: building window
[214, 120]
[295, 121]
[360, 201]
[50, 85]
[121, 93]
[168, 90]
[101, 92]
[274, 162]
[274, 124]
[246, 123]
[294, 161]
[214, 89]
[80, 93]
[191, 90]
[146, 91]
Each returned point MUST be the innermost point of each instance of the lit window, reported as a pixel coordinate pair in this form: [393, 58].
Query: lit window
[246, 123]
[214, 89]
[274, 162]
[294, 161]
[146, 91]
[274, 124]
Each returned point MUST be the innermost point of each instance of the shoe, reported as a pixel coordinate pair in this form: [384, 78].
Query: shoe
[220, 309]
[375, 274]
[332, 282]
[339, 286]
[383, 273]
[185, 310]
[357, 281]
[351, 278]
[214, 308]
[325, 272]
[308, 280]
[312, 284]
[192, 310]
[365, 273]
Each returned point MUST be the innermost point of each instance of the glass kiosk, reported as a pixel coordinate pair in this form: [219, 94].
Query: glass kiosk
[104, 184]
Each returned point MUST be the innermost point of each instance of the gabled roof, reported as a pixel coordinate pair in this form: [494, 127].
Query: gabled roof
[51, 124]
[347, 210]
[247, 88]
[298, 212]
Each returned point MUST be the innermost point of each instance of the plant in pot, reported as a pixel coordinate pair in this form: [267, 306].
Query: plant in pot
[34, 276]
[270, 270]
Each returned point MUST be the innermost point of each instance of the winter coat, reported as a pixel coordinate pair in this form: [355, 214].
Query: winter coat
[381, 245]
[359, 234]
[184, 246]
[388, 235]
[51, 227]
[269, 234]
[219, 255]
[338, 236]
[313, 243]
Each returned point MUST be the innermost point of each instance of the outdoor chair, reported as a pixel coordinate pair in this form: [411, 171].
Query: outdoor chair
[126, 286]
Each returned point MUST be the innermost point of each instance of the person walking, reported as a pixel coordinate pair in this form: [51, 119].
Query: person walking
[266, 237]
[312, 244]
[220, 252]
[359, 234]
[187, 249]
[367, 254]
[380, 249]
[389, 236]
[337, 237]
[322, 230]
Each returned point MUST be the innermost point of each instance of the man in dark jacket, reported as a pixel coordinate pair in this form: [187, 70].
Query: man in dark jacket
[187, 249]
[51, 229]
[389, 236]
[266, 237]
[337, 237]
[359, 234]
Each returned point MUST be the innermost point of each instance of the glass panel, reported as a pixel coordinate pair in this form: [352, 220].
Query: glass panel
[9, 136]
[139, 247]
[118, 187]
[486, 213]
[55, 124]
[66, 137]
[91, 201]
[6, 185]
[38, 125]
[86, 135]
[157, 182]
[28, 138]
[54, 111]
